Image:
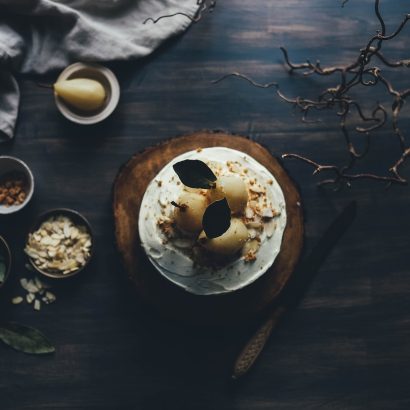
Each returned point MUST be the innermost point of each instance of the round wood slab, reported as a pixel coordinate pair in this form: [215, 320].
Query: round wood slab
[129, 188]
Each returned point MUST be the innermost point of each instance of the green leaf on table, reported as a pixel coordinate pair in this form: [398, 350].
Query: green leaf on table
[195, 173]
[217, 218]
[25, 339]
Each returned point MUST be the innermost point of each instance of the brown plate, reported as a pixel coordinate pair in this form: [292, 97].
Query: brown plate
[128, 191]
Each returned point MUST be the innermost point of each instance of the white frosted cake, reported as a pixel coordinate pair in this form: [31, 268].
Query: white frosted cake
[187, 247]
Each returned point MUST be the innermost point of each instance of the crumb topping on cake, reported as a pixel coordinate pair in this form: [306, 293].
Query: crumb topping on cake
[257, 216]
[178, 254]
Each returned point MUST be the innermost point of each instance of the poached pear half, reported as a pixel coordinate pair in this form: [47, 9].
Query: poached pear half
[82, 93]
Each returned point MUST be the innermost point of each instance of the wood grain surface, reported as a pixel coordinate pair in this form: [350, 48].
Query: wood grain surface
[171, 301]
[347, 346]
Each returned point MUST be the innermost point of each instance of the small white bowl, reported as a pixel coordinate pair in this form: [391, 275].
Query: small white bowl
[12, 164]
[94, 72]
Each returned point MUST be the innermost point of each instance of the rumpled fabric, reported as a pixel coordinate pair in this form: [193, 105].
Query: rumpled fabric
[37, 36]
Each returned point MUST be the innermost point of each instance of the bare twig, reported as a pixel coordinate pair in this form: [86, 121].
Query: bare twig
[244, 77]
[204, 5]
[341, 175]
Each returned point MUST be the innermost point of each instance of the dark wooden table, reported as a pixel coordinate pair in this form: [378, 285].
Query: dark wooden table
[348, 344]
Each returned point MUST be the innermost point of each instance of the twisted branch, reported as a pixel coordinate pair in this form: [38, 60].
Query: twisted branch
[359, 73]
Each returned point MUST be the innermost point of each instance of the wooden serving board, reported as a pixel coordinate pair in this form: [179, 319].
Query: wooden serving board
[129, 188]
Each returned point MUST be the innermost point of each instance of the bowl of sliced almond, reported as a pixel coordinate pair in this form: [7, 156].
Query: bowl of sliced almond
[60, 244]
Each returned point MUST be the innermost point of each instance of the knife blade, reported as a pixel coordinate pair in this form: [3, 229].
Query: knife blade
[294, 291]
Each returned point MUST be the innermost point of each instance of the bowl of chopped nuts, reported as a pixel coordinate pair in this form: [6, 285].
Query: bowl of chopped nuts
[5, 261]
[60, 244]
[16, 184]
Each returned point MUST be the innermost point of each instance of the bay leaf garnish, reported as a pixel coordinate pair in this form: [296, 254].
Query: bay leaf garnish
[25, 339]
[195, 174]
[217, 218]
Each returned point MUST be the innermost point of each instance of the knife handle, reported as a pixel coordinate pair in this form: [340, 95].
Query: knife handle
[255, 345]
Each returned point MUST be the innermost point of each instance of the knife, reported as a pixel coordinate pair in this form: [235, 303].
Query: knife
[294, 291]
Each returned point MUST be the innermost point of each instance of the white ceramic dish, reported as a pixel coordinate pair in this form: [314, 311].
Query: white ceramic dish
[12, 164]
[173, 263]
[95, 72]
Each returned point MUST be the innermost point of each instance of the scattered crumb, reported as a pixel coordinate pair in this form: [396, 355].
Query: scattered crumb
[166, 226]
[37, 305]
[250, 256]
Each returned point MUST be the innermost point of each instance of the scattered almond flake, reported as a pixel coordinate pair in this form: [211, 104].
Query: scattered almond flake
[257, 189]
[250, 249]
[253, 196]
[52, 253]
[255, 225]
[270, 213]
[249, 213]
[45, 240]
[235, 168]
[163, 201]
[31, 287]
[17, 300]
[51, 297]
[38, 283]
[66, 230]
[270, 228]
[37, 305]
[253, 233]
[253, 204]
[30, 297]
[23, 283]
[250, 256]
[166, 227]
[74, 233]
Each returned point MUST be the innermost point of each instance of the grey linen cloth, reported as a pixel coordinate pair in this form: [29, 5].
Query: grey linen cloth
[37, 36]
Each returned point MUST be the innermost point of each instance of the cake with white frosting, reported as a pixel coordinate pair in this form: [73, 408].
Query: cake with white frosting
[212, 220]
